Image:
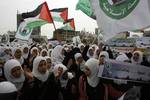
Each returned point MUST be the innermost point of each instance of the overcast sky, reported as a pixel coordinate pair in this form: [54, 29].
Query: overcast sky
[8, 9]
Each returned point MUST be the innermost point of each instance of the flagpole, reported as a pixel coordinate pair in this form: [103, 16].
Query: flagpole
[54, 26]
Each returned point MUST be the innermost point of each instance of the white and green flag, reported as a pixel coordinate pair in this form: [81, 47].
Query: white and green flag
[24, 31]
[25, 28]
[114, 16]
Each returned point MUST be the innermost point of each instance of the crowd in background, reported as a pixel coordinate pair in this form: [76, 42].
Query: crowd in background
[65, 72]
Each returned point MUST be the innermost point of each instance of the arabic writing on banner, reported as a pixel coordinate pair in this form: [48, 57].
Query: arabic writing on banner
[127, 71]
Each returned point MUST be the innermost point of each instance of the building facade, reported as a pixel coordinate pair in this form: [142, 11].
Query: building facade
[65, 35]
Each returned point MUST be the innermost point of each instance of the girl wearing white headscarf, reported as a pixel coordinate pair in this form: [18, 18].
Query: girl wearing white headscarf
[33, 54]
[44, 53]
[17, 54]
[25, 51]
[81, 47]
[6, 53]
[57, 54]
[94, 88]
[8, 91]
[50, 66]
[14, 73]
[61, 73]
[40, 69]
[42, 87]
[49, 46]
[137, 57]
[96, 53]
[78, 66]
[90, 52]
[103, 56]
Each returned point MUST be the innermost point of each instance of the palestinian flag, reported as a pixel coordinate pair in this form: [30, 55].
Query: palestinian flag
[41, 12]
[60, 14]
[69, 25]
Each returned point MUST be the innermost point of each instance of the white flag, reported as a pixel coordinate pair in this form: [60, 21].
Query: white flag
[23, 31]
[114, 16]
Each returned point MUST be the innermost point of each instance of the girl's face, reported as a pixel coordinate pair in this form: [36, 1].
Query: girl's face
[87, 71]
[136, 56]
[59, 72]
[91, 52]
[16, 72]
[80, 59]
[102, 59]
[82, 48]
[25, 50]
[49, 63]
[42, 68]
[35, 52]
[18, 54]
[50, 46]
[44, 53]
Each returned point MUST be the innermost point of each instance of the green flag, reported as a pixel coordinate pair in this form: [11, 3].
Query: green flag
[85, 7]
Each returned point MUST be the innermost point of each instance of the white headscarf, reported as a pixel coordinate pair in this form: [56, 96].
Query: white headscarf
[61, 66]
[36, 73]
[94, 46]
[43, 50]
[62, 81]
[7, 87]
[25, 55]
[52, 67]
[105, 53]
[9, 65]
[56, 55]
[21, 60]
[49, 44]
[95, 53]
[122, 57]
[6, 56]
[92, 64]
[79, 46]
[88, 54]
[140, 57]
[82, 65]
[77, 55]
[34, 48]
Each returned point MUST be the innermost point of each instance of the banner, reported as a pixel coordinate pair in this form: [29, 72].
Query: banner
[143, 42]
[126, 71]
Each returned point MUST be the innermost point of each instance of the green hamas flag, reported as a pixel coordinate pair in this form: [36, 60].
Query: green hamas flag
[85, 7]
